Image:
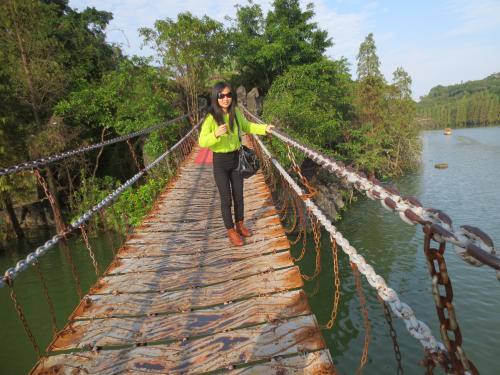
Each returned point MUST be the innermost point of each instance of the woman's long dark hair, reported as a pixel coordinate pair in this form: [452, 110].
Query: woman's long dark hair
[215, 109]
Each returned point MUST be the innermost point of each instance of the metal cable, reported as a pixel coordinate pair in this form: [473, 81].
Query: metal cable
[472, 244]
[63, 155]
[23, 264]
[417, 328]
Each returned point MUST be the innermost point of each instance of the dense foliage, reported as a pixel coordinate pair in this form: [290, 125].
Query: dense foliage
[63, 86]
[473, 103]
[313, 102]
[367, 123]
[189, 49]
[264, 47]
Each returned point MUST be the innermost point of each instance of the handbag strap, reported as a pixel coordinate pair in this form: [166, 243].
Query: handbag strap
[238, 125]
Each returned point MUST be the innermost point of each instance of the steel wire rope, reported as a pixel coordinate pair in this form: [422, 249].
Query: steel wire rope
[470, 243]
[63, 155]
[11, 273]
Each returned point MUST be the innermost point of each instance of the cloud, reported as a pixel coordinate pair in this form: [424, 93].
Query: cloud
[474, 16]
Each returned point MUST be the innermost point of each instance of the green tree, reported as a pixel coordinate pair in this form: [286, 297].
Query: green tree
[314, 102]
[264, 48]
[371, 85]
[402, 144]
[369, 102]
[472, 103]
[47, 50]
[133, 97]
[190, 49]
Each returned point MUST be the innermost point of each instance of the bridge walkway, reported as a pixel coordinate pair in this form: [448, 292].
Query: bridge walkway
[178, 299]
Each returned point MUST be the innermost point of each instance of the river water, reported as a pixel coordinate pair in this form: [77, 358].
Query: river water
[467, 191]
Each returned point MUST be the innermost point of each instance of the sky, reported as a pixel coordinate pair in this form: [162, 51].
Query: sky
[436, 42]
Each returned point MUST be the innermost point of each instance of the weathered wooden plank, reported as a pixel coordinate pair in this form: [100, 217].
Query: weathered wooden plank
[203, 227]
[202, 221]
[176, 277]
[196, 356]
[123, 331]
[165, 265]
[257, 248]
[214, 258]
[108, 305]
[210, 240]
[169, 279]
[316, 363]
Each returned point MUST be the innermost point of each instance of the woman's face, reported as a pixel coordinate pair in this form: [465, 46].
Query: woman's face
[224, 98]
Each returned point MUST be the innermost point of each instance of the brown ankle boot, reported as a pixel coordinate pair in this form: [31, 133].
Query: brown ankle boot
[242, 230]
[234, 237]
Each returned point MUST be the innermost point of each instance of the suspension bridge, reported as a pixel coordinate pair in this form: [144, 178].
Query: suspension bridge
[178, 299]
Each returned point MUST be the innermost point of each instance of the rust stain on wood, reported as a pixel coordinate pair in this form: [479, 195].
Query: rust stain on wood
[315, 363]
[181, 325]
[122, 303]
[205, 354]
[199, 304]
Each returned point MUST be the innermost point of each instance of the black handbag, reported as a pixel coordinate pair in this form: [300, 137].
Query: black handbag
[248, 161]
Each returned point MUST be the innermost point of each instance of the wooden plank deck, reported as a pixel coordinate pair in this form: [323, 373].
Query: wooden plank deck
[178, 299]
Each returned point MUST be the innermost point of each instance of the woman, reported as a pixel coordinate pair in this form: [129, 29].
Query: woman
[219, 132]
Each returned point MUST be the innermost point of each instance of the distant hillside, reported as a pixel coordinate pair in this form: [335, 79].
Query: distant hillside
[473, 103]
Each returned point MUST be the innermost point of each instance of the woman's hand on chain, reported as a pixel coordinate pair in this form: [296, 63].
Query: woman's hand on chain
[269, 128]
[221, 130]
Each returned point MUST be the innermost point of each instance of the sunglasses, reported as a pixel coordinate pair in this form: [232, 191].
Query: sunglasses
[220, 95]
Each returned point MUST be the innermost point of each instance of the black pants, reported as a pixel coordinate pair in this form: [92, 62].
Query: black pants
[230, 185]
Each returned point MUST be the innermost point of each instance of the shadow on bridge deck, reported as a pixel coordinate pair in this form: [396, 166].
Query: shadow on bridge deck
[179, 299]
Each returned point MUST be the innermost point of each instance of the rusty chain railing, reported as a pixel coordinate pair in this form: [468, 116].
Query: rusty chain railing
[471, 244]
[178, 151]
[63, 155]
[415, 327]
[11, 273]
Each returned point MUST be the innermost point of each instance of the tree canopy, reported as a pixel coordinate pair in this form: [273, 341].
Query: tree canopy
[473, 103]
[264, 47]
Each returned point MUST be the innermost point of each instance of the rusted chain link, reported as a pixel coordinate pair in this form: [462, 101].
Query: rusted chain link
[50, 304]
[444, 304]
[55, 209]
[293, 226]
[91, 252]
[316, 230]
[302, 232]
[56, 157]
[22, 318]
[472, 244]
[74, 272]
[336, 283]
[394, 336]
[134, 155]
[364, 311]
[311, 192]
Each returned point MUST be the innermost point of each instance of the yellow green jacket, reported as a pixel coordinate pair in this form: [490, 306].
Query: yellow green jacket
[227, 142]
